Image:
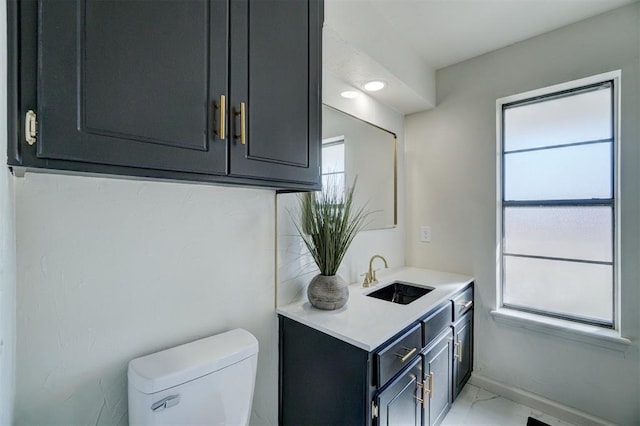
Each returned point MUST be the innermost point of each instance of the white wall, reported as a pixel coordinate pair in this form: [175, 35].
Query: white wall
[451, 185]
[7, 251]
[109, 270]
[295, 267]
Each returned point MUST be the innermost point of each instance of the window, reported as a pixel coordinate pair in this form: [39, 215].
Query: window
[558, 206]
[333, 164]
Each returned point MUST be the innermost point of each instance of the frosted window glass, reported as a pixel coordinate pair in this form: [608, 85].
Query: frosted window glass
[566, 288]
[575, 172]
[333, 158]
[577, 118]
[567, 232]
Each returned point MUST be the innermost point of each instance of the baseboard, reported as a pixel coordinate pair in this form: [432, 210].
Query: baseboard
[537, 402]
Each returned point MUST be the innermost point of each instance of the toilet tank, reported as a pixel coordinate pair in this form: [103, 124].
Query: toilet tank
[209, 381]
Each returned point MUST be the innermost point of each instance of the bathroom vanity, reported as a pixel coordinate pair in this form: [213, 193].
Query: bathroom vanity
[376, 362]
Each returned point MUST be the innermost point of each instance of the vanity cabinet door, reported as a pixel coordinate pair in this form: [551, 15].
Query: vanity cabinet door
[275, 77]
[132, 83]
[463, 354]
[438, 373]
[399, 402]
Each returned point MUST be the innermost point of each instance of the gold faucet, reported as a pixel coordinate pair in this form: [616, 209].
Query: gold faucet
[370, 276]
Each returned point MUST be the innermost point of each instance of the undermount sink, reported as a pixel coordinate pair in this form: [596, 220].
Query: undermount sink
[400, 292]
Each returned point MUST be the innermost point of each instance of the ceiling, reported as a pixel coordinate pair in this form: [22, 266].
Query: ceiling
[404, 42]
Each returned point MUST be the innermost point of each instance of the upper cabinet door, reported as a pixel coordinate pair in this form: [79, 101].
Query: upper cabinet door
[133, 83]
[276, 45]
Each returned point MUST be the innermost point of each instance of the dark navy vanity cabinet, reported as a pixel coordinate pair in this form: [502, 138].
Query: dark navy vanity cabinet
[411, 379]
[203, 90]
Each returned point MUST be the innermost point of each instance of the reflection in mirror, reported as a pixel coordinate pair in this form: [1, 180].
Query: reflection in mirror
[352, 147]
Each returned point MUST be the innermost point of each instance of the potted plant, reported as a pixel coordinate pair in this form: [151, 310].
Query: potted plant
[327, 224]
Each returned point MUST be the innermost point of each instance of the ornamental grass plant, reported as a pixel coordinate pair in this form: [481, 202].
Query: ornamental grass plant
[328, 223]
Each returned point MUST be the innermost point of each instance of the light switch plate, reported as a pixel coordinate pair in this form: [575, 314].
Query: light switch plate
[425, 234]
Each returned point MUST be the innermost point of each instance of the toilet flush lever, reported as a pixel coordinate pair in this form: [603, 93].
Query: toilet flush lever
[167, 402]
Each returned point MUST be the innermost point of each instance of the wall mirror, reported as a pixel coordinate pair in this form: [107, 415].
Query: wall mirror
[352, 147]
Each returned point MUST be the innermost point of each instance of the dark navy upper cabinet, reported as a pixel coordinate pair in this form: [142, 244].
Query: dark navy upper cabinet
[275, 52]
[203, 90]
[132, 83]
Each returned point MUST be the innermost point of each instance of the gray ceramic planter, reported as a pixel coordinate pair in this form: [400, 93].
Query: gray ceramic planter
[328, 292]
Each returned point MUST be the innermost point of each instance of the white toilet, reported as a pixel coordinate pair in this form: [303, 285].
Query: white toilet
[209, 381]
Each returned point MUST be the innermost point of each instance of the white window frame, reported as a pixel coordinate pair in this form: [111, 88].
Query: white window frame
[542, 321]
[337, 140]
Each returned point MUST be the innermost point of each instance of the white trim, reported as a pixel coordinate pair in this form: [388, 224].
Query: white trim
[617, 94]
[598, 78]
[571, 330]
[537, 402]
[611, 75]
[333, 140]
[499, 144]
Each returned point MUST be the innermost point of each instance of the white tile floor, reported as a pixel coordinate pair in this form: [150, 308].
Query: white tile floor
[476, 406]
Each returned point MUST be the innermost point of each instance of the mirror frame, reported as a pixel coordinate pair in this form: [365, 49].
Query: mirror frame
[395, 164]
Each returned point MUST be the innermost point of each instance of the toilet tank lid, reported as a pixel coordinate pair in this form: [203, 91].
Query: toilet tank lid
[162, 370]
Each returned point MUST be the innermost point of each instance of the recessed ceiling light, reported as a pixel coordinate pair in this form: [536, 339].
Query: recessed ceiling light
[374, 85]
[349, 94]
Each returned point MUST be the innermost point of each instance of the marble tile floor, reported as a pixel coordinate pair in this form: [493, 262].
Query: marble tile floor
[476, 406]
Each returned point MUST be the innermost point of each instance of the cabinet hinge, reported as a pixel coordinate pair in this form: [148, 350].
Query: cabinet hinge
[30, 127]
[374, 410]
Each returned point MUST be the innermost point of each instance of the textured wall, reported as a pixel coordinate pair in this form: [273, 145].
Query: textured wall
[451, 185]
[113, 269]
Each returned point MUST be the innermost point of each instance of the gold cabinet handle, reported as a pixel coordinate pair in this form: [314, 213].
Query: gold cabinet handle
[422, 385]
[459, 351]
[243, 123]
[407, 355]
[431, 385]
[426, 389]
[30, 127]
[222, 133]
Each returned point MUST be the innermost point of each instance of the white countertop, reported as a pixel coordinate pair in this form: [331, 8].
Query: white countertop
[367, 322]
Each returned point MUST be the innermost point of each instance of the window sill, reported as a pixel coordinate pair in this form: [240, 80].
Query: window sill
[590, 334]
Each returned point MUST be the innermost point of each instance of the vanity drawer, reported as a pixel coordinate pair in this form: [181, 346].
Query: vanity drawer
[395, 356]
[462, 303]
[435, 323]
